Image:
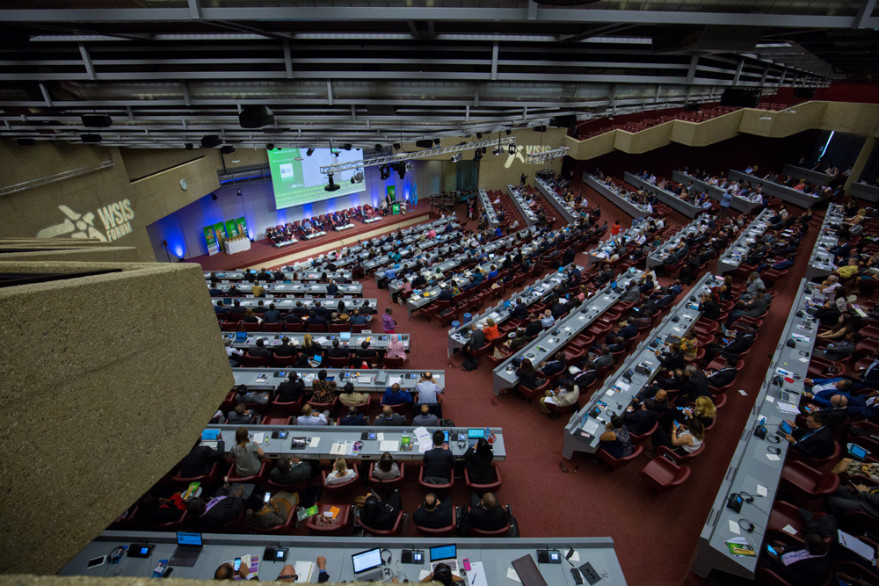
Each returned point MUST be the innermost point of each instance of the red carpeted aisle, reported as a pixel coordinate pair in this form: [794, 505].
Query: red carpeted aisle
[655, 535]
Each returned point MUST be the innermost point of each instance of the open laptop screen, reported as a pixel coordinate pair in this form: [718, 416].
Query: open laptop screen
[367, 560]
[184, 538]
[443, 552]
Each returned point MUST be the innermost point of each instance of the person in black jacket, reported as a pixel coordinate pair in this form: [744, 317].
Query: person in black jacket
[224, 511]
[809, 566]
[291, 389]
[486, 514]
[438, 462]
[381, 514]
[520, 310]
[200, 459]
[433, 512]
[478, 462]
[813, 441]
[725, 375]
[640, 416]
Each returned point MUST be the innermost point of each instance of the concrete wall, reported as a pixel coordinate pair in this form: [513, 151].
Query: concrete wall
[110, 382]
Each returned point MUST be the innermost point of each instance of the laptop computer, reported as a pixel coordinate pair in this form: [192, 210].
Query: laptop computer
[444, 554]
[474, 435]
[189, 546]
[368, 565]
[344, 335]
[240, 337]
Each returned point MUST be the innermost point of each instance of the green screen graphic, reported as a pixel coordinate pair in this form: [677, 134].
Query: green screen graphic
[297, 180]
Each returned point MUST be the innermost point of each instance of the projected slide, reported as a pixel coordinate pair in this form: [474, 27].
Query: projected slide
[297, 179]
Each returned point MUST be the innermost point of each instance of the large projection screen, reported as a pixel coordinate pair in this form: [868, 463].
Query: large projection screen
[297, 180]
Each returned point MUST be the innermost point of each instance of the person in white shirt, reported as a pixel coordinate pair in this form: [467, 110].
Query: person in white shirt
[547, 320]
[309, 418]
[660, 224]
[341, 473]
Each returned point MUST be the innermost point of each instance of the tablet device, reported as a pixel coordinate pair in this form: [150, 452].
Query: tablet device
[786, 428]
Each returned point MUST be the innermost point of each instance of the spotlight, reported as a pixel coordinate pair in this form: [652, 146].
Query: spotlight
[397, 146]
[347, 146]
[456, 157]
[401, 169]
[436, 141]
[214, 196]
[509, 132]
[227, 149]
[378, 147]
[270, 146]
[90, 138]
[332, 186]
[188, 146]
[497, 151]
[479, 135]
[477, 155]
[511, 149]
[309, 152]
[384, 172]
[358, 177]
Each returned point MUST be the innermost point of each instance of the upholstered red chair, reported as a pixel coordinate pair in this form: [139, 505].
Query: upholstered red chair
[663, 474]
[818, 462]
[205, 479]
[614, 463]
[394, 363]
[493, 486]
[395, 530]
[255, 361]
[343, 488]
[285, 408]
[805, 483]
[281, 420]
[273, 327]
[447, 531]
[532, 393]
[681, 458]
[389, 484]
[253, 478]
[637, 439]
[341, 525]
[438, 488]
[502, 532]
[284, 528]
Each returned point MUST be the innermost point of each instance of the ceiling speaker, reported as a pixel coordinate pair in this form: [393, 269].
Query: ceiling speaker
[92, 138]
[210, 141]
[424, 144]
[96, 121]
[255, 117]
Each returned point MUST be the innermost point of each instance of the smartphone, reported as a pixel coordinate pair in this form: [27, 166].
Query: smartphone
[267, 497]
[282, 434]
[95, 562]
[159, 570]
[237, 564]
[466, 562]
[168, 572]
[771, 551]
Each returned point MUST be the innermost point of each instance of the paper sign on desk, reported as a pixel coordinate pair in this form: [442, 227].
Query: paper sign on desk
[389, 446]
[770, 399]
[789, 529]
[734, 527]
[762, 490]
[380, 436]
[788, 408]
[772, 457]
[394, 380]
[575, 557]
[513, 575]
[313, 443]
[621, 386]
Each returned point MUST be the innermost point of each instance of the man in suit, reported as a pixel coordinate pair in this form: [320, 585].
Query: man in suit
[640, 417]
[743, 340]
[353, 417]
[337, 351]
[628, 330]
[219, 512]
[332, 289]
[433, 513]
[260, 350]
[321, 311]
[725, 375]
[394, 395]
[520, 312]
[388, 417]
[366, 353]
[291, 389]
[357, 319]
[486, 514]
[533, 326]
[438, 462]
[445, 294]
[694, 385]
[314, 319]
[264, 275]
[272, 315]
[425, 418]
[814, 441]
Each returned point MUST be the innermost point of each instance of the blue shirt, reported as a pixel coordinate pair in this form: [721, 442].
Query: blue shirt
[395, 398]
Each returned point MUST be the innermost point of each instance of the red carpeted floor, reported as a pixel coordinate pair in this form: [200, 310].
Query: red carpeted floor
[655, 535]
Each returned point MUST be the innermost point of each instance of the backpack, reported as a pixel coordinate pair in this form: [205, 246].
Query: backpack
[470, 364]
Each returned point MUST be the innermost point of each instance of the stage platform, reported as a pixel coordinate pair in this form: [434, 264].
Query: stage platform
[264, 254]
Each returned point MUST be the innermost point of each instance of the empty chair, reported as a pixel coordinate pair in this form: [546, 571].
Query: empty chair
[806, 483]
[614, 463]
[663, 474]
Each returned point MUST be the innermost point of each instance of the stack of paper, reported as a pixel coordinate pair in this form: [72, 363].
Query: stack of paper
[304, 570]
